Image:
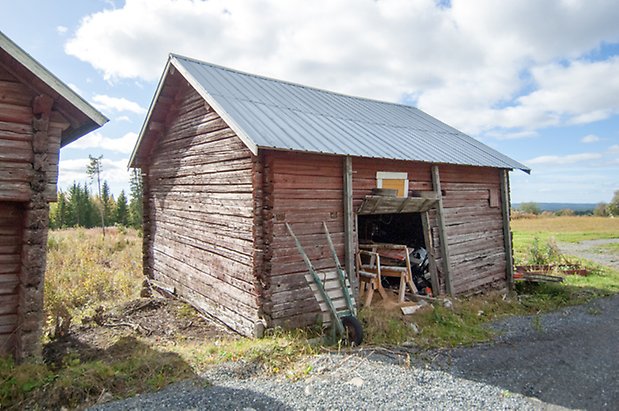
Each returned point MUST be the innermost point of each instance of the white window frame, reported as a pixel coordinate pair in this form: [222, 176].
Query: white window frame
[392, 175]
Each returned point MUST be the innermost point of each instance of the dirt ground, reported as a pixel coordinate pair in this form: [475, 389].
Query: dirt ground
[587, 249]
[154, 320]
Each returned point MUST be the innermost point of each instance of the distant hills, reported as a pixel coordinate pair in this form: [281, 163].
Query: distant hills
[577, 207]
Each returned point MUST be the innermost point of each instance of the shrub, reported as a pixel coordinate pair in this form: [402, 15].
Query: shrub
[543, 254]
[530, 208]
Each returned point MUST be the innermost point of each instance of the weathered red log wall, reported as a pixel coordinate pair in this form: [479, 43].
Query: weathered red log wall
[306, 189]
[30, 132]
[199, 213]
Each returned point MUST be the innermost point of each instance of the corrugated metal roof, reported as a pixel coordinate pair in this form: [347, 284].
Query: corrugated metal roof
[269, 113]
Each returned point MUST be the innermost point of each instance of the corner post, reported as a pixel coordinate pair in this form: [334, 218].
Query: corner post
[507, 232]
[349, 240]
[436, 185]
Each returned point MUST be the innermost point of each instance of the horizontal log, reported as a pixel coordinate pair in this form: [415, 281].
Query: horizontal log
[12, 113]
[496, 280]
[194, 276]
[309, 194]
[235, 319]
[238, 251]
[159, 205]
[20, 155]
[15, 191]
[15, 93]
[18, 172]
[9, 304]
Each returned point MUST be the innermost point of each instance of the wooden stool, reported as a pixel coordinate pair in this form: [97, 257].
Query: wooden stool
[369, 276]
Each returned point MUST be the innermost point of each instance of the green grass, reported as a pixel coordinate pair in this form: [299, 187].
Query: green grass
[570, 229]
[563, 229]
[129, 368]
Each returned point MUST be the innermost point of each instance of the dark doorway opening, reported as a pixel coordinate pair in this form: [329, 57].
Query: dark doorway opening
[402, 229]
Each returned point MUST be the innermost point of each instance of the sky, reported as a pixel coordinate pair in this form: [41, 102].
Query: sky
[537, 80]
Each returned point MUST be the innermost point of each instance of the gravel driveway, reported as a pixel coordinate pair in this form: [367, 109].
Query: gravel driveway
[339, 383]
[564, 359]
[586, 249]
[569, 358]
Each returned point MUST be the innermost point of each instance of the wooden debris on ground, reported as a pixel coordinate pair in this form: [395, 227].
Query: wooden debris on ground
[535, 277]
[410, 309]
[566, 269]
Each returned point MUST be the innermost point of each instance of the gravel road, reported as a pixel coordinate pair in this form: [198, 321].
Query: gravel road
[567, 359]
[338, 383]
[586, 249]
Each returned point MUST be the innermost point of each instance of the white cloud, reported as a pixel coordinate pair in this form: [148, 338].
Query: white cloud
[483, 66]
[511, 135]
[114, 172]
[564, 160]
[590, 138]
[61, 29]
[95, 139]
[119, 104]
[614, 148]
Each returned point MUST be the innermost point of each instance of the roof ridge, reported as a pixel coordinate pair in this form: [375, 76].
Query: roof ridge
[291, 83]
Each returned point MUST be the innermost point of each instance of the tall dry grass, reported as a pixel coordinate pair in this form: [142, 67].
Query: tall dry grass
[84, 270]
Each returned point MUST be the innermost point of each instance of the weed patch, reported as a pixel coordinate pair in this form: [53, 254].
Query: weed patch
[84, 271]
[139, 369]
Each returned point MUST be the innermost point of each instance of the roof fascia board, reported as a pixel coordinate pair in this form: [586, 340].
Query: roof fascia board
[251, 145]
[51, 80]
[149, 114]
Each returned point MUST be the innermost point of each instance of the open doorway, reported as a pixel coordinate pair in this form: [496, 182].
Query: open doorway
[381, 230]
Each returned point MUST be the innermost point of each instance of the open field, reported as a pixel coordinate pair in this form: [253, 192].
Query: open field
[565, 228]
[569, 229]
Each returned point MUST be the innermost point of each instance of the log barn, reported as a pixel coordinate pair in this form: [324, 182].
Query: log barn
[38, 115]
[227, 158]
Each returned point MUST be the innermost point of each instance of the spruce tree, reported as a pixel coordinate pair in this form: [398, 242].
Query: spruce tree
[135, 203]
[122, 212]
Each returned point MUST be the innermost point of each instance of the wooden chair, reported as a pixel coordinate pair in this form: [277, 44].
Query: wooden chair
[369, 276]
[404, 273]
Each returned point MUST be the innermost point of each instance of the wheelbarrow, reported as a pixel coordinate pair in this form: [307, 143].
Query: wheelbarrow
[332, 291]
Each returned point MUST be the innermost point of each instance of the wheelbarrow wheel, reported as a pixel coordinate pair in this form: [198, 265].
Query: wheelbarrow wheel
[353, 331]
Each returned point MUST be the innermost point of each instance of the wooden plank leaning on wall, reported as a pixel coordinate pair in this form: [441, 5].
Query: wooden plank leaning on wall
[436, 186]
[507, 233]
[349, 240]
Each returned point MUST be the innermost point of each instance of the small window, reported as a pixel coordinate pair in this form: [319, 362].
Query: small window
[394, 181]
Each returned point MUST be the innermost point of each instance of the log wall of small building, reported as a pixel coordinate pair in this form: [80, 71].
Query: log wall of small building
[30, 133]
[303, 190]
[474, 227]
[199, 213]
[16, 138]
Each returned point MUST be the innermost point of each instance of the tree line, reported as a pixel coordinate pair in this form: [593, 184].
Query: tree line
[603, 209]
[80, 207]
